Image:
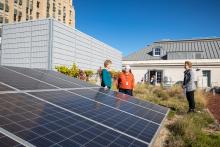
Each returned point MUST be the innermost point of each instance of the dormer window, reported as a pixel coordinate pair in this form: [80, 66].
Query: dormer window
[156, 52]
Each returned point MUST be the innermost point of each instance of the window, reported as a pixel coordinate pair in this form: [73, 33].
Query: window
[1, 19]
[1, 6]
[19, 16]
[15, 17]
[64, 19]
[6, 20]
[31, 11]
[70, 13]
[31, 4]
[59, 12]
[198, 56]
[15, 14]
[20, 2]
[54, 7]
[15, 1]
[37, 15]
[0, 32]
[38, 4]
[15, 11]
[156, 52]
[6, 8]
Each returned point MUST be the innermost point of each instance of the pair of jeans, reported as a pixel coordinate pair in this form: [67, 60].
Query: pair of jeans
[126, 91]
[190, 98]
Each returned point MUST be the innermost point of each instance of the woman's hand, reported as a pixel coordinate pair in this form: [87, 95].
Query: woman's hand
[105, 88]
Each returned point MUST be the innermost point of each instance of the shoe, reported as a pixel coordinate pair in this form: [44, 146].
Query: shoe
[191, 111]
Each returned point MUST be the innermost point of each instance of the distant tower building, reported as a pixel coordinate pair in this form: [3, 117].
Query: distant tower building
[24, 10]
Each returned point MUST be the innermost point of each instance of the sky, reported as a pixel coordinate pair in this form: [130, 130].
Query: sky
[129, 25]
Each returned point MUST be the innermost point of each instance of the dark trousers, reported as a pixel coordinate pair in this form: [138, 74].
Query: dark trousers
[190, 98]
[126, 91]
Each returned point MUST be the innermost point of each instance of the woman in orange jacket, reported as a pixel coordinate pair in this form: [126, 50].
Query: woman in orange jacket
[126, 81]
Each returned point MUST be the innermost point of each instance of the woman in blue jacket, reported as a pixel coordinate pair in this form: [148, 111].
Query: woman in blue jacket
[106, 76]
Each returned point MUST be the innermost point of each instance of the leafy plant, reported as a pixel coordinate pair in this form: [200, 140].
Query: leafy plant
[63, 69]
[114, 74]
[73, 71]
[89, 74]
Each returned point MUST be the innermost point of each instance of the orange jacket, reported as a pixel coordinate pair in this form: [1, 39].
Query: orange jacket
[126, 81]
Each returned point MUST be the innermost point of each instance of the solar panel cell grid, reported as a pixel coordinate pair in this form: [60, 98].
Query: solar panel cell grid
[21, 82]
[44, 116]
[93, 110]
[148, 114]
[5, 141]
[56, 79]
[5, 88]
[132, 100]
[45, 129]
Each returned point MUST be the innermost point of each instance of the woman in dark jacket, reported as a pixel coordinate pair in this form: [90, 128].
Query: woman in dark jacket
[189, 85]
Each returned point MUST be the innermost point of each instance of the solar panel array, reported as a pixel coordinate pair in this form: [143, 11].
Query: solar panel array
[47, 108]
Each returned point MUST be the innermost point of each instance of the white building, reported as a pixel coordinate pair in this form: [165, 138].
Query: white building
[165, 60]
[48, 43]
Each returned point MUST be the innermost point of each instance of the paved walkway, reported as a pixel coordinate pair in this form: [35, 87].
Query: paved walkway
[214, 106]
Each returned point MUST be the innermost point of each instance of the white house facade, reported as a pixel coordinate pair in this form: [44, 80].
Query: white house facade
[47, 43]
[165, 60]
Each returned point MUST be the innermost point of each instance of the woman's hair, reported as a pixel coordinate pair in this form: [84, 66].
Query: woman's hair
[189, 63]
[107, 62]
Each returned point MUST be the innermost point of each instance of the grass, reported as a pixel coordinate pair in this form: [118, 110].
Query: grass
[185, 130]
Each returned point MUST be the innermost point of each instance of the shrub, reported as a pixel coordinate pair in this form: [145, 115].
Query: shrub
[190, 128]
[176, 91]
[63, 69]
[160, 93]
[89, 74]
[114, 74]
[74, 71]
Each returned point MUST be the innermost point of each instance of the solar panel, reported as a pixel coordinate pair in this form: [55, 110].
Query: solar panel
[4, 87]
[44, 75]
[20, 81]
[5, 141]
[64, 111]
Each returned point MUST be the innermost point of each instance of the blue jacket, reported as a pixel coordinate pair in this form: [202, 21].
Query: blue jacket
[106, 79]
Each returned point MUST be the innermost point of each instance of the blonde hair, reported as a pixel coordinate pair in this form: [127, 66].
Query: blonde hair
[189, 63]
[107, 62]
